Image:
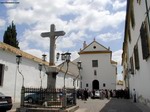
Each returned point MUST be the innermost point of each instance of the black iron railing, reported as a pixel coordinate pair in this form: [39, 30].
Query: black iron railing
[47, 97]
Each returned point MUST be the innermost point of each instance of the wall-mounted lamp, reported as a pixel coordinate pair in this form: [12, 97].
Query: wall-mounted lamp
[44, 57]
[18, 59]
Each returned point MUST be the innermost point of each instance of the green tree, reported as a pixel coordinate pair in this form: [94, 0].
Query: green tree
[10, 36]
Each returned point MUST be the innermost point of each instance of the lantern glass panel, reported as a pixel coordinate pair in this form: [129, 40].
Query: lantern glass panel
[68, 56]
[63, 57]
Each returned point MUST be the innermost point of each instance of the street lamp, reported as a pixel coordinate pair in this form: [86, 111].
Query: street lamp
[44, 57]
[79, 65]
[63, 56]
[18, 61]
[57, 56]
[40, 69]
[66, 58]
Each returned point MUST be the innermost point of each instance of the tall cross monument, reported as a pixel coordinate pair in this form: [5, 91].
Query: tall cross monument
[51, 79]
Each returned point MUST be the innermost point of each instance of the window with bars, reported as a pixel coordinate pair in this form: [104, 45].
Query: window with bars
[104, 85]
[136, 57]
[94, 63]
[87, 85]
[132, 65]
[1, 74]
[144, 40]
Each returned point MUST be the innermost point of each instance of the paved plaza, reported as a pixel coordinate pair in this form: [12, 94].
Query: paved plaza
[112, 105]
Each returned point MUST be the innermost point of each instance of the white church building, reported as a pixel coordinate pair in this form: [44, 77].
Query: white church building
[98, 71]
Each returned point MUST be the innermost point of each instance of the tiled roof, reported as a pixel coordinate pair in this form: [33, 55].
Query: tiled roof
[16, 51]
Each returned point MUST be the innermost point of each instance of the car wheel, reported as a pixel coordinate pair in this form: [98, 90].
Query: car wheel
[30, 100]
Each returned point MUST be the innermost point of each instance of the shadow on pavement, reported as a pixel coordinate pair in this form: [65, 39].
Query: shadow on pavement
[120, 105]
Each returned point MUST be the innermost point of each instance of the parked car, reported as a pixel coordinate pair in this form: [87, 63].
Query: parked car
[34, 97]
[97, 94]
[5, 102]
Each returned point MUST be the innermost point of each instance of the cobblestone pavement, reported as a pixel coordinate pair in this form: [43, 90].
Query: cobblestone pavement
[112, 105]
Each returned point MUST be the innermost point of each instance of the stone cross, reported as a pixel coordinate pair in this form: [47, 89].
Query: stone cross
[53, 36]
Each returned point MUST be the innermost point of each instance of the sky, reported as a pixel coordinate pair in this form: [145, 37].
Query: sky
[81, 20]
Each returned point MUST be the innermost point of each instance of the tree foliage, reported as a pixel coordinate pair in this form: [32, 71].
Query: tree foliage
[10, 36]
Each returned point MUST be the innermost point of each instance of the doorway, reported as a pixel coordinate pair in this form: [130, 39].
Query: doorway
[95, 84]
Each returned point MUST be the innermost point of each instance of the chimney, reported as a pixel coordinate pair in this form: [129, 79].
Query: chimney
[84, 44]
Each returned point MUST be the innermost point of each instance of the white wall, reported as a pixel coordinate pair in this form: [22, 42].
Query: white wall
[68, 81]
[13, 80]
[140, 80]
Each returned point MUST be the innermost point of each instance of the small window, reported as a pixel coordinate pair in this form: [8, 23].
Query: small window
[95, 72]
[94, 63]
[87, 85]
[104, 85]
[94, 47]
[1, 74]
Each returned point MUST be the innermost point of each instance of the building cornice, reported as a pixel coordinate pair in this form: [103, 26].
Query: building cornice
[94, 52]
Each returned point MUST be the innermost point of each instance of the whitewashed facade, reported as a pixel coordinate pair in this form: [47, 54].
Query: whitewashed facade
[72, 79]
[136, 49]
[98, 70]
[11, 80]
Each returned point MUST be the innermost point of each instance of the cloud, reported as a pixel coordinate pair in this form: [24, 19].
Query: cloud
[2, 22]
[110, 36]
[10, 3]
[36, 52]
[21, 16]
[89, 15]
[118, 4]
[116, 56]
[74, 55]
